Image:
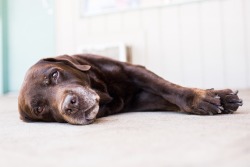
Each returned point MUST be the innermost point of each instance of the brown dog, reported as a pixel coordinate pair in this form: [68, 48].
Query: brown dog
[78, 89]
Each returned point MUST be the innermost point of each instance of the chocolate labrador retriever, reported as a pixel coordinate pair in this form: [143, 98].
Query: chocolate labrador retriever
[78, 89]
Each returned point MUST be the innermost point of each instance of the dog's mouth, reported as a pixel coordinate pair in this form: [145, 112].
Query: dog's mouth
[91, 113]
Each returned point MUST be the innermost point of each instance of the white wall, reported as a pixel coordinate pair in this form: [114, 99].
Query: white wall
[202, 44]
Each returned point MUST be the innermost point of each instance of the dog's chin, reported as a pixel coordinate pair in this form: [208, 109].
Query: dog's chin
[84, 117]
[91, 113]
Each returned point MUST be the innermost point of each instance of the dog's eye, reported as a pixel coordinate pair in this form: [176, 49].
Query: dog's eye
[55, 75]
[38, 110]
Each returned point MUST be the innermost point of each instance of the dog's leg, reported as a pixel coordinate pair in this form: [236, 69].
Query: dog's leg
[191, 100]
[146, 101]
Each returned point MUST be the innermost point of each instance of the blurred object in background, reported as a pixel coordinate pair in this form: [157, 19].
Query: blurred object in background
[118, 51]
[94, 7]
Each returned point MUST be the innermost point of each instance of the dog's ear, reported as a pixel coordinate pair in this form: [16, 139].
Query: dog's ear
[68, 60]
[22, 114]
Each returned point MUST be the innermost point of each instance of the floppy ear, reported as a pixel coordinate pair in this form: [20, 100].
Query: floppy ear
[22, 114]
[68, 60]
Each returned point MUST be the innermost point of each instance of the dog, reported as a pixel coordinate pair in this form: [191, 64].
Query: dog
[78, 89]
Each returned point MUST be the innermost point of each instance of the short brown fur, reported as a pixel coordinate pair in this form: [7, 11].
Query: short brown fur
[114, 86]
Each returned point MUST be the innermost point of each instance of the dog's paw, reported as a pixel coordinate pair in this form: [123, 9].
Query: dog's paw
[229, 100]
[212, 102]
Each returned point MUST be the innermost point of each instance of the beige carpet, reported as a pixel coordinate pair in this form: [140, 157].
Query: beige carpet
[148, 139]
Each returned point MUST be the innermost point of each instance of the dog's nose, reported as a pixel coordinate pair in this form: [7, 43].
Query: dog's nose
[70, 104]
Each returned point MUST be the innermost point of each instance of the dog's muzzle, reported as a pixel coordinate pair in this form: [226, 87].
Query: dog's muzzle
[80, 105]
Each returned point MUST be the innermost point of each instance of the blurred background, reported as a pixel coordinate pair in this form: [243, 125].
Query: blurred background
[195, 43]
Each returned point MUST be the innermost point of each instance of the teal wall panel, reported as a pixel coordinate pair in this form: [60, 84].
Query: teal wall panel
[31, 36]
[5, 48]
[1, 47]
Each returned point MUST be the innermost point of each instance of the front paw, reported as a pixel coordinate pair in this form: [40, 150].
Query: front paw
[212, 102]
[229, 100]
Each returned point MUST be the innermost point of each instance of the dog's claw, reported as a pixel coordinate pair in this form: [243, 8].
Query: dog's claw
[240, 102]
[217, 97]
[210, 113]
[234, 93]
[221, 108]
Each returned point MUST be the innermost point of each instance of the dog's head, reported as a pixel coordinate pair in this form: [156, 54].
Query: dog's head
[58, 89]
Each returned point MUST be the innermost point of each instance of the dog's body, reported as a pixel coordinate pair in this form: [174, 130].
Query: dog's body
[78, 89]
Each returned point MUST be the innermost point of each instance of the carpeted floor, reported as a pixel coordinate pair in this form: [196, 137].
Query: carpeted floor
[146, 139]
